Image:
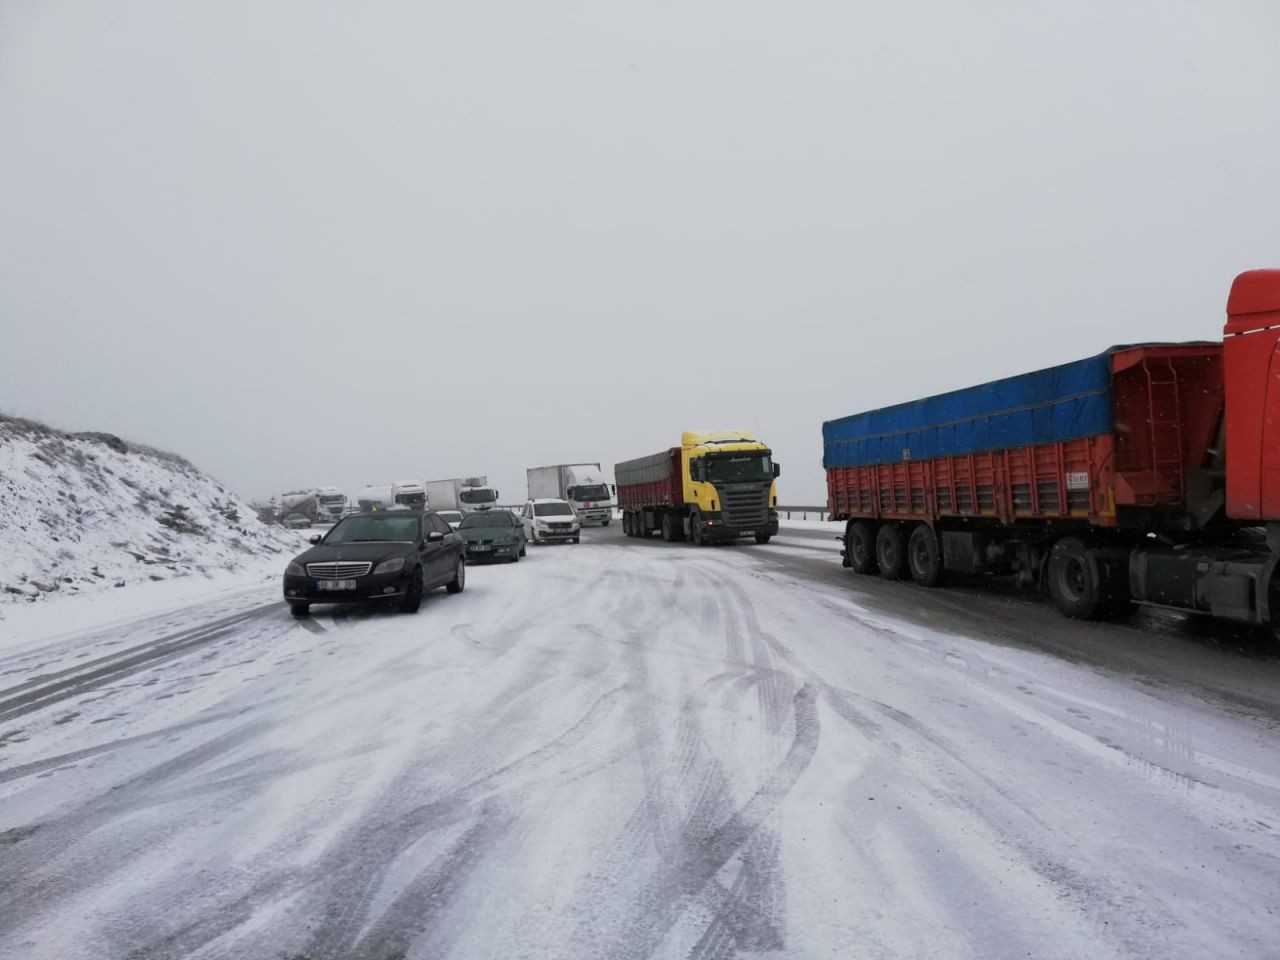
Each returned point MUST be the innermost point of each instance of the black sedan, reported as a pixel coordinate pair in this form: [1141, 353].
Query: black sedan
[397, 555]
[492, 535]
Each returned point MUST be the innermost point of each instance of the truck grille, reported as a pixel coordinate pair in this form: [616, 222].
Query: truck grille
[745, 508]
[338, 571]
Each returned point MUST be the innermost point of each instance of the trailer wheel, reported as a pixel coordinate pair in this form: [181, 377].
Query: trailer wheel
[860, 546]
[626, 524]
[891, 554]
[668, 528]
[923, 556]
[1074, 581]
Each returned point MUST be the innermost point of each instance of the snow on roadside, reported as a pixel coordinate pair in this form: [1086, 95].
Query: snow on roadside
[88, 512]
[31, 624]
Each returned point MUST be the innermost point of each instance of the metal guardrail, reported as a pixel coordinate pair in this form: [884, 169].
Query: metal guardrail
[819, 512]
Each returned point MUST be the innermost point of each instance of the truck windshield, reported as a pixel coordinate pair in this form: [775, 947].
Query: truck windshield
[411, 499]
[732, 469]
[377, 529]
[596, 491]
[483, 495]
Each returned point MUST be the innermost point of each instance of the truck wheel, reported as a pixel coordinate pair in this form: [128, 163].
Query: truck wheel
[860, 546]
[891, 552]
[668, 528]
[626, 524]
[923, 556]
[1074, 583]
[300, 609]
[696, 533]
[764, 537]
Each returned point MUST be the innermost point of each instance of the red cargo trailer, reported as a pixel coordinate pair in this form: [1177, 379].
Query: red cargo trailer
[1131, 476]
[654, 484]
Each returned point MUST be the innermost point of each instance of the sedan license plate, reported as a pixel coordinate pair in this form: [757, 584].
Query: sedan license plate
[335, 584]
[480, 548]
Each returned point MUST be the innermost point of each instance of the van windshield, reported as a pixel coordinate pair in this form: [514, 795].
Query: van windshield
[552, 510]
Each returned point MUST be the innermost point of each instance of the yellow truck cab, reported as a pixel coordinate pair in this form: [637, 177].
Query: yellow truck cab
[713, 487]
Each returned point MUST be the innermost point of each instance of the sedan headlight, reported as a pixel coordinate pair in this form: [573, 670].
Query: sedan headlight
[504, 541]
[394, 565]
[294, 570]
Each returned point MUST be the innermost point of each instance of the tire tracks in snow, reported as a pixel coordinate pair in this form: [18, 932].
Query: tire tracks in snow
[48, 689]
[687, 813]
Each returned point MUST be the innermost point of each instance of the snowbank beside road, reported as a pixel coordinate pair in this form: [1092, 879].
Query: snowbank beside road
[85, 512]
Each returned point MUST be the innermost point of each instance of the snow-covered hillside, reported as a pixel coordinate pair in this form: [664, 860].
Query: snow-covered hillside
[88, 511]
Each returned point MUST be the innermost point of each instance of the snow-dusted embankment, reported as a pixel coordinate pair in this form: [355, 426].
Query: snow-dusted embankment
[86, 511]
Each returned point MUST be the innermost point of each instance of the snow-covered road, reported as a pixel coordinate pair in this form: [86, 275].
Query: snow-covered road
[632, 749]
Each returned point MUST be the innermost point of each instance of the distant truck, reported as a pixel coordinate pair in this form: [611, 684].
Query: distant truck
[714, 487]
[317, 504]
[404, 494]
[411, 494]
[298, 503]
[582, 484]
[331, 504]
[375, 496]
[1146, 474]
[461, 493]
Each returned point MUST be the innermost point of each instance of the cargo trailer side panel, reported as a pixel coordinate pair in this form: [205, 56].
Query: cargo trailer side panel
[653, 481]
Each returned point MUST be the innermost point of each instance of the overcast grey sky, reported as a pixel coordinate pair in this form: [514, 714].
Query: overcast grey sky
[338, 242]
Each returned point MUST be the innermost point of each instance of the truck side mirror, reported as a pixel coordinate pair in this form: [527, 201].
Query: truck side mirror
[613, 488]
[777, 471]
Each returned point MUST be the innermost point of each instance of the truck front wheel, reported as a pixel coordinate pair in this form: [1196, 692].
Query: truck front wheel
[891, 552]
[696, 532]
[668, 528]
[1074, 583]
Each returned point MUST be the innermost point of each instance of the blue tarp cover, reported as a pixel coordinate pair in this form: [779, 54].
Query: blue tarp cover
[1047, 406]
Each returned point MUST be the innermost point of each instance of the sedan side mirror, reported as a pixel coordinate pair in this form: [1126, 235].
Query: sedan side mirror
[314, 540]
[435, 536]
[777, 471]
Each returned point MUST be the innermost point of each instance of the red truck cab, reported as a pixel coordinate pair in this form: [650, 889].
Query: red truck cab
[1251, 348]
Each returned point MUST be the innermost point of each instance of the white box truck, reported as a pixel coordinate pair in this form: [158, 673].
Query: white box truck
[461, 493]
[582, 484]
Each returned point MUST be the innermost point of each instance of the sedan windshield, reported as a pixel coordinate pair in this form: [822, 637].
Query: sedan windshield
[733, 469]
[552, 510]
[488, 518]
[387, 529]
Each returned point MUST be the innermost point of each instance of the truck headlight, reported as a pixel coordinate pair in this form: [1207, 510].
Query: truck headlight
[394, 565]
[294, 570]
